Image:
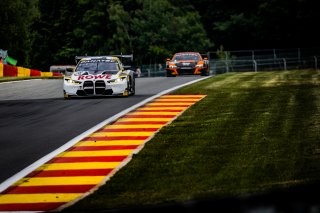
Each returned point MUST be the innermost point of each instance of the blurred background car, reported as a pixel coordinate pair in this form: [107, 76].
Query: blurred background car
[187, 63]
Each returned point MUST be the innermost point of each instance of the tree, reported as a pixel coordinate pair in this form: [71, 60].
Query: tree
[50, 34]
[162, 29]
[67, 28]
[262, 24]
[120, 21]
[16, 17]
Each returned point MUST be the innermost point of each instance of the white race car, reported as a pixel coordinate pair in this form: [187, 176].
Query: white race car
[99, 76]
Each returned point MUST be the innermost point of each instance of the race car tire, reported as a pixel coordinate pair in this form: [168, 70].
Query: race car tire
[132, 88]
[170, 75]
[66, 96]
[205, 73]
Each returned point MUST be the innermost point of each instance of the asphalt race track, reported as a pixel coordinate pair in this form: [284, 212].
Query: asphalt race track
[35, 119]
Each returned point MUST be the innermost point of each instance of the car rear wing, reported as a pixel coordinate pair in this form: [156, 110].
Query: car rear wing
[127, 56]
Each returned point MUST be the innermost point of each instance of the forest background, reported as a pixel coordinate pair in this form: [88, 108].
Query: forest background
[40, 33]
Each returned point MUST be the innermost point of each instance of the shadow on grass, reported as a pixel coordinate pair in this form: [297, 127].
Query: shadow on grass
[299, 199]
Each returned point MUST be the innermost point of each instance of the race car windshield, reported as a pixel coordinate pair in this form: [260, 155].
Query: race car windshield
[97, 67]
[192, 57]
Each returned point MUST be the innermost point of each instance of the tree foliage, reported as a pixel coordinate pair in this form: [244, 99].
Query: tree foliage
[45, 32]
[16, 17]
[162, 29]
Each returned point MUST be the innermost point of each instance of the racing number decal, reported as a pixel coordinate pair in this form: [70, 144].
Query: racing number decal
[92, 160]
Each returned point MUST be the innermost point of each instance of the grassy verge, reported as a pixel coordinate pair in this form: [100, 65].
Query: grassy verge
[254, 132]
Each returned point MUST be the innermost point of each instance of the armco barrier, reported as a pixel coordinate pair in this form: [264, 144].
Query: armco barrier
[13, 71]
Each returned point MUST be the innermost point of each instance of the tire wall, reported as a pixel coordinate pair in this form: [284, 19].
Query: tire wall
[1, 70]
[14, 71]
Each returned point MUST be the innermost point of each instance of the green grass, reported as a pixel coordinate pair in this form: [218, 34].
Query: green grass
[253, 133]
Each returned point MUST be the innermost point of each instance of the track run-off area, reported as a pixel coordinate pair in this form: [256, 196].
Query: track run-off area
[56, 151]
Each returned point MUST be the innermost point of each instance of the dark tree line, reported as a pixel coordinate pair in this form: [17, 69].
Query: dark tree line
[40, 33]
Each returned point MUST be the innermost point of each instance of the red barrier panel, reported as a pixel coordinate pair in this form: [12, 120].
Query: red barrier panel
[35, 72]
[13, 71]
[10, 71]
[56, 74]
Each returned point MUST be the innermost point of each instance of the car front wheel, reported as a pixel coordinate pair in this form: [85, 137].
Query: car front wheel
[132, 90]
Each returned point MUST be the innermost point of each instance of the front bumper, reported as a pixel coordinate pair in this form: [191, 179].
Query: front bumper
[185, 71]
[94, 88]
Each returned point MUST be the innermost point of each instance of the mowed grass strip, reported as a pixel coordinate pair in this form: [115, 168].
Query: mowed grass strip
[253, 133]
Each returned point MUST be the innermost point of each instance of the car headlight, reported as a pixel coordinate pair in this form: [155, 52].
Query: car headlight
[113, 81]
[70, 81]
[172, 65]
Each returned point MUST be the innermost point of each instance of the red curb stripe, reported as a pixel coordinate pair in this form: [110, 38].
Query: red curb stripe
[175, 97]
[70, 173]
[104, 138]
[129, 130]
[30, 206]
[88, 159]
[48, 189]
[149, 116]
[167, 105]
[139, 122]
[95, 148]
[179, 102]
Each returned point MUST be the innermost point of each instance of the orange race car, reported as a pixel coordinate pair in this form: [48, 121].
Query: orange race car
[187, 63]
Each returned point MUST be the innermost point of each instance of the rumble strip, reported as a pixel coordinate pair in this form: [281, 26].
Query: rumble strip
[82, 168]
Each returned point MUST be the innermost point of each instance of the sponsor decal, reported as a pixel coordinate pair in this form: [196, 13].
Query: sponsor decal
[98, 61]
[93, 77]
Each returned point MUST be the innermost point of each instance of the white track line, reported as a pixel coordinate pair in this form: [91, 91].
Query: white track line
[7, 183]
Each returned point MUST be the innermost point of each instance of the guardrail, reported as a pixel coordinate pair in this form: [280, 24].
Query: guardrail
[153, 70]
[256, 65]
[218, 66]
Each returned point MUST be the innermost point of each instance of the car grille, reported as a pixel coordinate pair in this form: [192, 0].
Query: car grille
[186, 71]
[94, 88]
[186, 65]
[88, 87]
[100, 87]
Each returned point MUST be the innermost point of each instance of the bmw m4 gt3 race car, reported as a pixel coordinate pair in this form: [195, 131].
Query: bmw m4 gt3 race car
[99, 76]
[187, 63]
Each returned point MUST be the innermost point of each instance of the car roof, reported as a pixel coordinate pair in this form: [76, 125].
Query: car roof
[178, 53]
